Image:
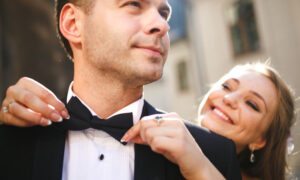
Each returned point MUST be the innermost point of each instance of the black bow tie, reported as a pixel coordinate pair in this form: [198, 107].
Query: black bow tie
[81, 118]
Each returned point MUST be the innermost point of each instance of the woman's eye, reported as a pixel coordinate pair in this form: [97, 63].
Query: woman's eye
[225, 86]
[253, 106]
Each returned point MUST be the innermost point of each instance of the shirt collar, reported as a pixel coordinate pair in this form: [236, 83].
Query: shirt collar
[135, 108]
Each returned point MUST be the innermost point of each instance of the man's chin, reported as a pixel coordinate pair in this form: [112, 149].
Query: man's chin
[149, 78]
[142, 79]
[156, 76]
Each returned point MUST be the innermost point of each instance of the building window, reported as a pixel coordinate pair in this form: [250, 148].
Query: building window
[183, 84]
[243, 28]
[177, 21]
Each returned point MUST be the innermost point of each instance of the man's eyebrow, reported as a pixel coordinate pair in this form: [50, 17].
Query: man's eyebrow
[163, 7]
[166, 7]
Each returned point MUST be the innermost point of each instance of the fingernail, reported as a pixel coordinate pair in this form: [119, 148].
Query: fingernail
[124, 138]
[50, 106]
[60, 119]
[46, 121]
[56, 117]
[65, 114]
[49, 123]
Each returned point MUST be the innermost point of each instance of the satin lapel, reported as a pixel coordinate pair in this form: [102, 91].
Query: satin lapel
[50, 154]
[148, 165]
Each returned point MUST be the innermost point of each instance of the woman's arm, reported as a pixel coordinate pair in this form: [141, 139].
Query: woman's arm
[170, 137]
[29, 103]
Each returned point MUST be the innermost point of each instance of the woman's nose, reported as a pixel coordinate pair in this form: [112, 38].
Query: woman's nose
[231, 100]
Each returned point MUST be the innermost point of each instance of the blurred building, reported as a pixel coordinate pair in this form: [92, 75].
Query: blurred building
[220, 34]
[29, 47]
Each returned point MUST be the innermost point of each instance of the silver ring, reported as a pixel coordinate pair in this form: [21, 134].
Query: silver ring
[158, 118]
[5, 109]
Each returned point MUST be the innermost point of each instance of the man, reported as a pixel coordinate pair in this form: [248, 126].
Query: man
[117, 47]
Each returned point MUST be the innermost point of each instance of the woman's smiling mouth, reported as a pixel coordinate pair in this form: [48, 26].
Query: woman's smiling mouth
[221, 114]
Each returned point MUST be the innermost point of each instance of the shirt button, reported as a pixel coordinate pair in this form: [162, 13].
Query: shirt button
[101, 157]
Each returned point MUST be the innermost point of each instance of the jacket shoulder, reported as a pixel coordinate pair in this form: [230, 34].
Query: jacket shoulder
[218, 149]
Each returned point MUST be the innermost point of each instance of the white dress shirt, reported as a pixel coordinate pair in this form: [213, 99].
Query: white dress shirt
[93, 154]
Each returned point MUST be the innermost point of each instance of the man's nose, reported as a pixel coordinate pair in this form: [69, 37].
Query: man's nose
[156, 24]
[231, 99]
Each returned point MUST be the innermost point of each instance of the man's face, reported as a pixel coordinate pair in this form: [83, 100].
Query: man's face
[127, 39]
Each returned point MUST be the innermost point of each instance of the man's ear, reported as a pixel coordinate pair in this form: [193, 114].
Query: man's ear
[70, 23]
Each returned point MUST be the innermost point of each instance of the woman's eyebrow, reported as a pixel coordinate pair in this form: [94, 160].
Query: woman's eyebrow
[235, 80]
[260, 97]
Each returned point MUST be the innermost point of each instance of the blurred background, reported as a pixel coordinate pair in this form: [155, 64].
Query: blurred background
[208, 37]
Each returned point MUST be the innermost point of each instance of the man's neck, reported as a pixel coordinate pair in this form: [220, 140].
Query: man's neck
[104, 94]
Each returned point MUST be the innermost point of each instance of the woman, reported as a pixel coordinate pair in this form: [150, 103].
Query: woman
[262, 132]
[250, 105]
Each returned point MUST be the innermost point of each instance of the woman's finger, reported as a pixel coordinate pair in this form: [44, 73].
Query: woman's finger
[17, 114]
[33, 102]
[10, 119]
[28, 115]
[132, 133]
[44, 94]
[164, 145]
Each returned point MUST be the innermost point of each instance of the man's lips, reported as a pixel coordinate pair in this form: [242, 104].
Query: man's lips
[221, 114]
[151, 49]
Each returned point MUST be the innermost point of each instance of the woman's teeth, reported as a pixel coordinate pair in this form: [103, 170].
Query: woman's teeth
[220, 114]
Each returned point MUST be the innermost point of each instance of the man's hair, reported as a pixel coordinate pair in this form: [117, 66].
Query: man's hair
[86, 5]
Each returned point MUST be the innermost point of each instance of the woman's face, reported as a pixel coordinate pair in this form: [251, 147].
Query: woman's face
[240, 108]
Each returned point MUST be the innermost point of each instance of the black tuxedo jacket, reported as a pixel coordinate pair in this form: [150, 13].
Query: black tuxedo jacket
[36, 153]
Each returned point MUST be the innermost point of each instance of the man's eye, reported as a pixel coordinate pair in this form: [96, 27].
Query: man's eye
[225, 86]
[134, 3]
[252, 105]
[165, 15]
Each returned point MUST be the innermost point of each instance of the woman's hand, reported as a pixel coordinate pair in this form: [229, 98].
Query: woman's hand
[29, 103]
[166, 134]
